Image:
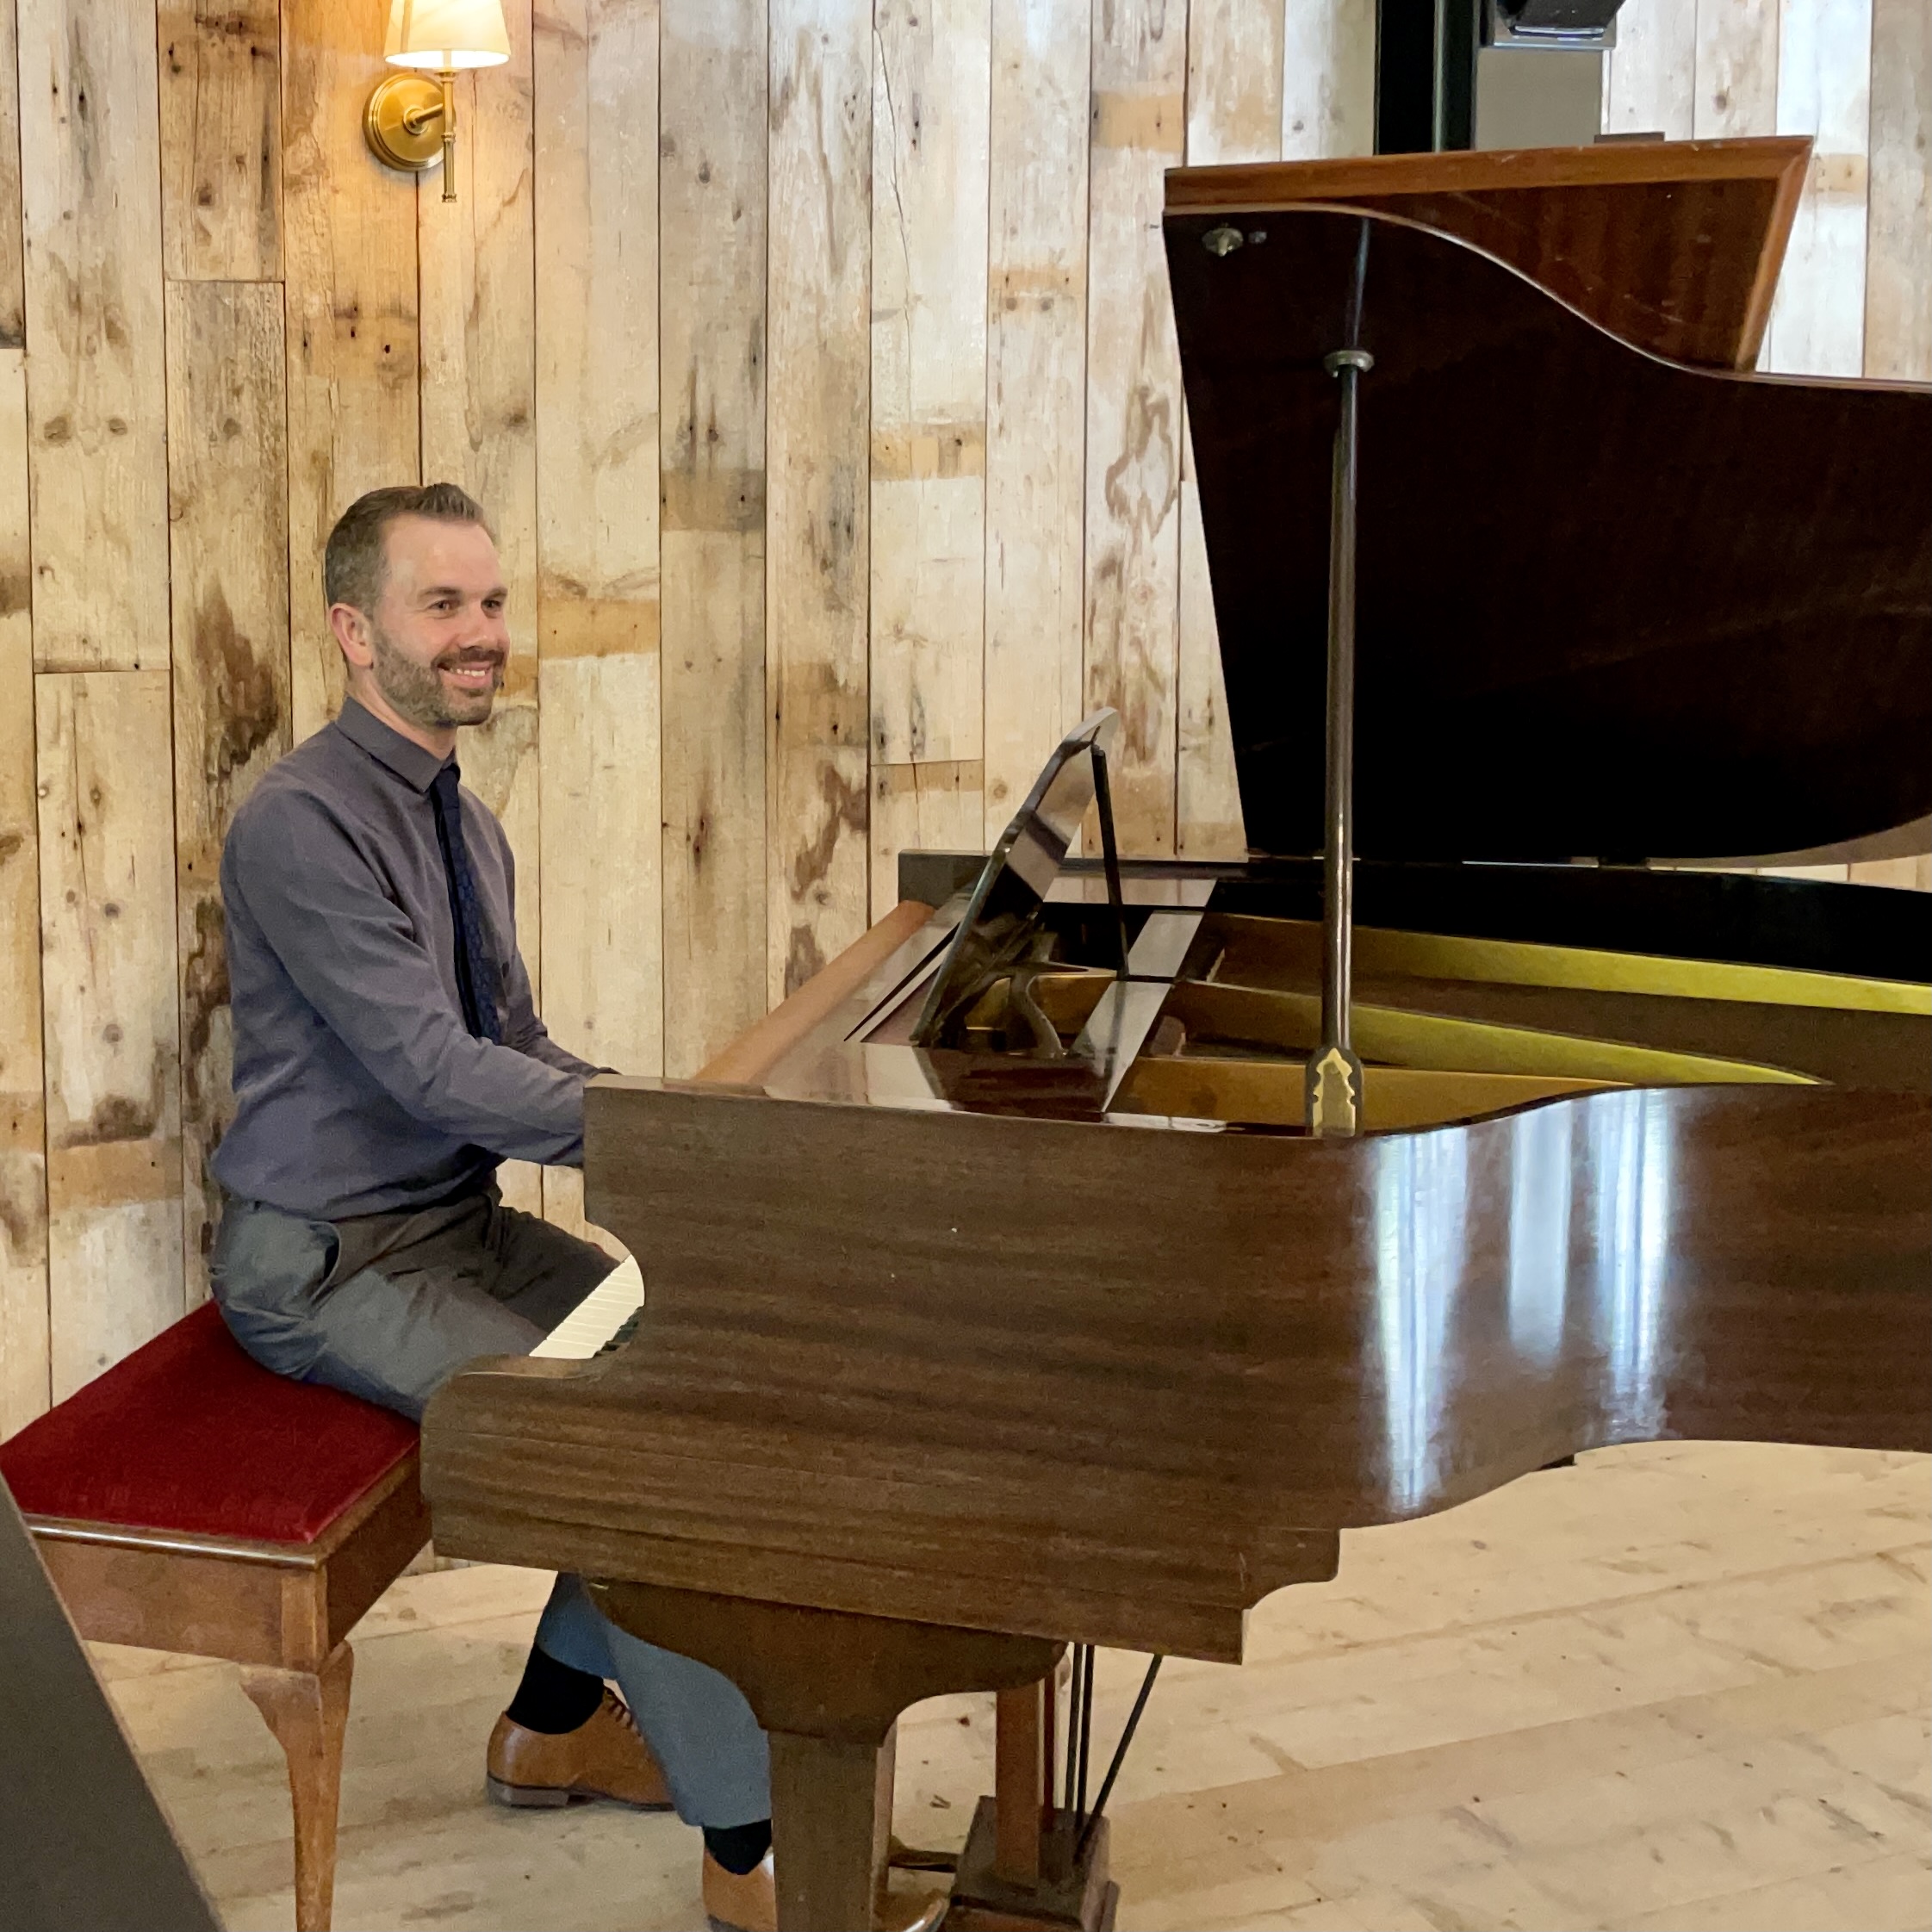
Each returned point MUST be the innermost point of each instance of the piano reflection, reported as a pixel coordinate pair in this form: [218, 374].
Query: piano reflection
[1082, 1252]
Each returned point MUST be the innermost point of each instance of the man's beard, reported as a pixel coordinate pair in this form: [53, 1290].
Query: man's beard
[417, 691]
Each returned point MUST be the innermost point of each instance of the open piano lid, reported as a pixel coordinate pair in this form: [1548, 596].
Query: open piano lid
[1610, 606]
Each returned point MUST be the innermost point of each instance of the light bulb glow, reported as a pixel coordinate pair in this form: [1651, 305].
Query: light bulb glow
[446, 35]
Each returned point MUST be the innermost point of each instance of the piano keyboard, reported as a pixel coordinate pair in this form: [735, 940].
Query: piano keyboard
[605, 1319]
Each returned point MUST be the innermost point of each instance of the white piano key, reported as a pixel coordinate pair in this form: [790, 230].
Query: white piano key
[597, 1317]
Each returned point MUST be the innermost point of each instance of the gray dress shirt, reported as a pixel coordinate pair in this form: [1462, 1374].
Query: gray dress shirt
[358, 1088]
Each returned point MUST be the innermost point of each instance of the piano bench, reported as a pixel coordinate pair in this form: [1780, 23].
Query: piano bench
[187, 1499]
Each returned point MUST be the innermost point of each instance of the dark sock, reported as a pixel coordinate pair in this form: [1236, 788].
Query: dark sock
[553, 1698]
[738, 1847]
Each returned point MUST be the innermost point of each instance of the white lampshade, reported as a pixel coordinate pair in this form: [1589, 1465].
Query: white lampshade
[445, 34]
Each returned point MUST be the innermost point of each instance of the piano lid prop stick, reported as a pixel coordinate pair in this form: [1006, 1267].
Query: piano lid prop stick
[1111, 852]
[1334, 1076]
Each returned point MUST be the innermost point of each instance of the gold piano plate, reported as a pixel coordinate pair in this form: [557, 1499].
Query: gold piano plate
[1444, 1044]
[1272, 946]
[1273, 1093]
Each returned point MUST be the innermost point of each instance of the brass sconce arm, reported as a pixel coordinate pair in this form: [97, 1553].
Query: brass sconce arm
[411, 120]
[411, 123]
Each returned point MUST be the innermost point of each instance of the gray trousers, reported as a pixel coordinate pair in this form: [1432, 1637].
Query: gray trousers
[388, 1307]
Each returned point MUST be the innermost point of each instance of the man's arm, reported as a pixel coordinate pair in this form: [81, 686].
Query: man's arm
[354, 955]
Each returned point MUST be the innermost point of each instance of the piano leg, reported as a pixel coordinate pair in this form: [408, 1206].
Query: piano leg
[827, 1686]
[825, 1830]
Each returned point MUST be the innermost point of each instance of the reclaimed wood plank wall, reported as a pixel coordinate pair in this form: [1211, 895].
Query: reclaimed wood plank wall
[814, 360]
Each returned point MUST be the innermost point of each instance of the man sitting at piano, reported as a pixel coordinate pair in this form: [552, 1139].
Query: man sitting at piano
[387, 1056]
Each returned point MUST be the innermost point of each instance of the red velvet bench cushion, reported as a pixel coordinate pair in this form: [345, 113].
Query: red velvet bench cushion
[189, 1434]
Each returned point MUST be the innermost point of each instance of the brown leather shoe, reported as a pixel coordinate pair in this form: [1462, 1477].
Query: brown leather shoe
[740, 1901]
[603, 1757]
[749, 1902]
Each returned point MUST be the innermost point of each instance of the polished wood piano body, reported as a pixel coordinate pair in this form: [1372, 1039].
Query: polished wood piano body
[997, 1296]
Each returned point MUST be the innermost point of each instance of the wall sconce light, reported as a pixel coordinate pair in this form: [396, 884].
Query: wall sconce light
[411, 120]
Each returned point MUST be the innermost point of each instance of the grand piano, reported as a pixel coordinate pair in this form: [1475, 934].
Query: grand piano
[1085, 1248]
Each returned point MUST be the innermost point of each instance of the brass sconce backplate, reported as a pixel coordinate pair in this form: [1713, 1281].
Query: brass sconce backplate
[403, 121]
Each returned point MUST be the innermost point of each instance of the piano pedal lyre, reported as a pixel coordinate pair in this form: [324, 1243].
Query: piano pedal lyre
[1027, 1865]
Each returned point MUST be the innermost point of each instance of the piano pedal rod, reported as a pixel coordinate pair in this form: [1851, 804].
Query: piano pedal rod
[1086, 1725]
[902, 1857]
[1092, 1824]
[1070, 1775]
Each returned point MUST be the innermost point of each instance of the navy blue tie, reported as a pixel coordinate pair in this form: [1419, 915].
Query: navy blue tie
[478, 979]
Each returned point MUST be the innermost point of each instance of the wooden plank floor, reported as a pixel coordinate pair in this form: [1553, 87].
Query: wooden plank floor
[1674, 1687]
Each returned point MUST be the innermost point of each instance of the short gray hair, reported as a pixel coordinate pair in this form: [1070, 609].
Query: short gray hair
[355, 562]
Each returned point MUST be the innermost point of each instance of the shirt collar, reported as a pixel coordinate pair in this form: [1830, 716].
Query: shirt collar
[409, 761]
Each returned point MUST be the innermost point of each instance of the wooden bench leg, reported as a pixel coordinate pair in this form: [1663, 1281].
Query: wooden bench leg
[307, 1712]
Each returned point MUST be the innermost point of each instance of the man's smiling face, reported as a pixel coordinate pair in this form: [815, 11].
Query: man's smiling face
[438, 639]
